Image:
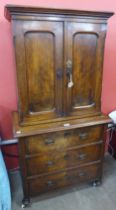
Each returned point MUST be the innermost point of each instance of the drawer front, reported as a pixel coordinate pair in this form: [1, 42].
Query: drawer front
[62, 140]
[58, 161]
[66, 178]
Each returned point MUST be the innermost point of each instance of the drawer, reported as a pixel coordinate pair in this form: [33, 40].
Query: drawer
[62, 140]
[66, 178]
[57, 161]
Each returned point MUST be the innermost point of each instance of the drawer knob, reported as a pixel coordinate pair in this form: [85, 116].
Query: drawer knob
[67, 133]
[50, 163]
[83, 135]
[50, 183]
[49, 141]
[82, 156]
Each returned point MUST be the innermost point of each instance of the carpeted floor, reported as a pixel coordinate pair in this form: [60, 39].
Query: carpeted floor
[84, 198]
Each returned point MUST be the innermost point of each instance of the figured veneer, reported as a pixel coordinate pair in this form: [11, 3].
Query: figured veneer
[59, 124]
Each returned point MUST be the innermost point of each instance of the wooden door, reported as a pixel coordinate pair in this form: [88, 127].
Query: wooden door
[84, 44]
[39, 56]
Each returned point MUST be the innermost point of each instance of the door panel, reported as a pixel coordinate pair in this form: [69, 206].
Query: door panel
[84, 56]
[84, 51]
[40, 60]
[41, 50]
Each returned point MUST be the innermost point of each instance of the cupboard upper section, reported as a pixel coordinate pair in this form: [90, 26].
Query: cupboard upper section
[59, 61]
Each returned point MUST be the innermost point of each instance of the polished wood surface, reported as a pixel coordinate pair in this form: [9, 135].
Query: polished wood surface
[85, 51]
[39, 59]
[59, 124]
[64, 125]
[44, 184]
[59, 141]
[55, 161]
[14, 10]
[44, 50]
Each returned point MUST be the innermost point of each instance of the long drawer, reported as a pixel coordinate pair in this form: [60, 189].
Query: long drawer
[39, 164]
[68, 177]
[62, 140]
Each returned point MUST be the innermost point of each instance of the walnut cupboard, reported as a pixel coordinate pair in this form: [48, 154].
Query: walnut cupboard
[59, 124]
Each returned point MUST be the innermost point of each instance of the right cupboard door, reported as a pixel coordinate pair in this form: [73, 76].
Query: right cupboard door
[84, 46]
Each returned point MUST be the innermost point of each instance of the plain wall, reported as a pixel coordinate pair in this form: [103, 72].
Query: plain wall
[8, 88]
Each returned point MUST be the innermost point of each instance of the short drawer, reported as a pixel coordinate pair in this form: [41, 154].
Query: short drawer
[55, 161]
[62, 140]
[64, 179]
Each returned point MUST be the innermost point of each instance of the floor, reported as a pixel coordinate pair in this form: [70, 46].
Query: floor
[84, 198]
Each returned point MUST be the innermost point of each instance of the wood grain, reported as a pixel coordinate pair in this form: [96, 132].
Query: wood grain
[60, 180]
[56, 161]
[43, 47]
[60, 127]
[59, 141]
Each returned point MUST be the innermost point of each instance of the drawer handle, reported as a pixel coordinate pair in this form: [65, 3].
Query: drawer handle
[83, 135]
[50, 163]
[82, 174]
[49, 141]
[50, 183]
[66, 133]
[82, 156]
[66, 157]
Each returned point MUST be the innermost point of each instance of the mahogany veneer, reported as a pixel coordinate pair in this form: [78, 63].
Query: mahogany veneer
[59, 124]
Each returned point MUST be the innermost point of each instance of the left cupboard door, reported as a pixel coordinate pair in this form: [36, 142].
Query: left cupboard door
[39, 63]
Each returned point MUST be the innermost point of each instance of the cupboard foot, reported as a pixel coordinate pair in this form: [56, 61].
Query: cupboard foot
[96, 183]
[25, 203]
